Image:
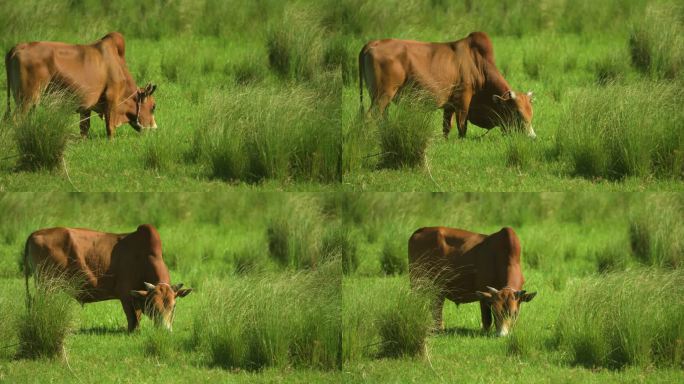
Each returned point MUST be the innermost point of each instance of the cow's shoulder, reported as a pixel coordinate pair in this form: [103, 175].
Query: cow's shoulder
[149, 234]
[507, 238]
[115, 41]
[481, 44]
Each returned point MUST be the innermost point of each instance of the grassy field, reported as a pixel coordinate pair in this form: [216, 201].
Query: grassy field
[596, 127]
[240, 105]
[271, 302]
[269, 100]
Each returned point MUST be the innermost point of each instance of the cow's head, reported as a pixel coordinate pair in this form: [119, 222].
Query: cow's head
[516, 110]
[142, 116]
[505, 305]
[159, 301]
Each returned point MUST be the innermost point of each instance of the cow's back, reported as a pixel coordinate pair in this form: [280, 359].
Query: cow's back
[76, 253]
[441, 251]
[438, 68]
[83, 70]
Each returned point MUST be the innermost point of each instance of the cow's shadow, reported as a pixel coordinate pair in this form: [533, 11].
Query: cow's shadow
[100, 330]
[462, 331]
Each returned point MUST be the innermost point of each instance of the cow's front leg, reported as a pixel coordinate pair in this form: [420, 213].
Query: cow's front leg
[447, 121]
[132, 313]
[85, 123]
[110, 120]
[486, 315]
[462, 114]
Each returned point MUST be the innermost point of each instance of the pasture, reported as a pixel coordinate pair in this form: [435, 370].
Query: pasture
[263, 95]
[607, 83]
[299, 287]
[239, 106]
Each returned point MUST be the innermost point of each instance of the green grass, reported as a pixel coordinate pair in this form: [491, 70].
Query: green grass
[590, 99]
[601, 325]
[252, 319]
[281, 321]
[48, 318]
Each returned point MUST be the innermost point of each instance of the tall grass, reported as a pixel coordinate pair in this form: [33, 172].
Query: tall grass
[272, 133]
[294, 235]
[406, 132]
[42, 134]
[384, 318]
[658, 240]
[621, 319]
[295, 44]
[656, 43]
[338, 240]
[618, 131]
[405, 324]
[8, 332]
[50, 316]
[283, 320]
[393, 258]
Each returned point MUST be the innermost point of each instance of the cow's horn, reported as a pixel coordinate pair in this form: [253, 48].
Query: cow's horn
[512, 95]
[493, 290]
[150, 287]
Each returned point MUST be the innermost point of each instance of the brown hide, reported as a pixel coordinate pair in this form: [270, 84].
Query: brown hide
[461, 77]
[96, 75]
[463, 263]
[111, 265]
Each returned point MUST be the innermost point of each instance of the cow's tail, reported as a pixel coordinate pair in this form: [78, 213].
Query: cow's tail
[361, 56]
[8, 57]
[27, 272]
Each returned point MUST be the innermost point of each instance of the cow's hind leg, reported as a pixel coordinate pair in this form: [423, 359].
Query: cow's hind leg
[437, 307]
[447, 121]
[85, 123]
[462, 114]
[132, 313]
[486, 315]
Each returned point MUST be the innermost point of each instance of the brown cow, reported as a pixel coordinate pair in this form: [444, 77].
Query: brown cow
[468, 267]
[128, 267]
[461, 77]
[95, 74]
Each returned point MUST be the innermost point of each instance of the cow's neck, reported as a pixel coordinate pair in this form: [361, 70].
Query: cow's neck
[514, 278]
[495, 82]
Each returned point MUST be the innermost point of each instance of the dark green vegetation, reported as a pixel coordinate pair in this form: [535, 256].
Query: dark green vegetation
[248, 97]
[607, 78]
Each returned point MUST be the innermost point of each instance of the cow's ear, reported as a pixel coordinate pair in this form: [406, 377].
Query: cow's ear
[527, 296]
[139, 294]
[183, 292]
[486, 296]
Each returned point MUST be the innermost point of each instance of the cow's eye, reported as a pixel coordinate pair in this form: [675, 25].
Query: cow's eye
[154, 107]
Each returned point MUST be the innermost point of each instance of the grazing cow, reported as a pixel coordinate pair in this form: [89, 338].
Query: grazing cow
[128, 267]
[468, 267]
[96, 75]
[460, 76]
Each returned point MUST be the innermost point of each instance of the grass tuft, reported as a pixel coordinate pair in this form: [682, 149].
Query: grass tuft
[406, 132]
[602, 325]
[42, 134]
[616, 131]
[405, 325]
[283, 320]
[392, 259]
[49, 318]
